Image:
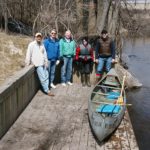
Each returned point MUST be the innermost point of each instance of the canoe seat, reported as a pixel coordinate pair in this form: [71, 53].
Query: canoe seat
[108, 109]
[113, 95]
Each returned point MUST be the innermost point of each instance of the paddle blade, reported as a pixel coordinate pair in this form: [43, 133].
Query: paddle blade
[120, 100]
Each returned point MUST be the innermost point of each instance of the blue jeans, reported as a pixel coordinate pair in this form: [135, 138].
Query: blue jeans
[43, 77]
[101, 62]
[51, 70]
[66, 70]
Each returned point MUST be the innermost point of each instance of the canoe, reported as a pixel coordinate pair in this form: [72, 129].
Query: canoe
[104, 115]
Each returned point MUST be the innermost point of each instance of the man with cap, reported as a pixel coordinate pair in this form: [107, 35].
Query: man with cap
[36, 55]
[104, 53]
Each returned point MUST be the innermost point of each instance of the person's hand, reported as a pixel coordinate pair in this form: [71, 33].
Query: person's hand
[46, 65]
[57, 62]
[76, 58]
[85, 58]
[113, 61]
[96, 60]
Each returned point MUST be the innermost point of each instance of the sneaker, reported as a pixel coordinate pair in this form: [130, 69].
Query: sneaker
[53, 86]
[69, 83]
[63, 84]
[50, 93]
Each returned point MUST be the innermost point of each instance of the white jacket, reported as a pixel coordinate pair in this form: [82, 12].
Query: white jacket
[36, 54]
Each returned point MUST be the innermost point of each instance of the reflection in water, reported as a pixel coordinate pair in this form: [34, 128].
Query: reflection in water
[139, 64]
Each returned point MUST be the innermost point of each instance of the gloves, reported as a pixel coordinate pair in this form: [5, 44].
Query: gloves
[57, 62]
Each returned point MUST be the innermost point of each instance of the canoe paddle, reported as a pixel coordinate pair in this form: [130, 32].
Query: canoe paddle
[120, 98]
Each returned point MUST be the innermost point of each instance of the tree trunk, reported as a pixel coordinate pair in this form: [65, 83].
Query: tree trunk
[113, 21]
[6, 21]
[92, 19]
[102, 11]
[5, 13]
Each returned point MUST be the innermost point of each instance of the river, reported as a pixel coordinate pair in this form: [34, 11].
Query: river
[138, 60]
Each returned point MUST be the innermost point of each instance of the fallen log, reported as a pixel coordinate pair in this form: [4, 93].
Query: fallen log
[131, 80]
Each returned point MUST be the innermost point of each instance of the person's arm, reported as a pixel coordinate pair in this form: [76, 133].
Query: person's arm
[91, 53]
[58, 51]
[77, 53]
[45, 58]
[45, 42]
[74, 50]
[28, 55]
[61, 47]
[58, 55]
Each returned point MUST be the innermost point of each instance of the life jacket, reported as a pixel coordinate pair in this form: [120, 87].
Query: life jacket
[85, 52]
[105, 47]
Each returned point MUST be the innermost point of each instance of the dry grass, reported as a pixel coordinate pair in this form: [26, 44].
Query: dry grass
[12, 54]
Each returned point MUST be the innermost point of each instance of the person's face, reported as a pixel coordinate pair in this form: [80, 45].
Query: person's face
[53, 34]
[38, 39]
[85, 42]
[68, 35]
[104, 35]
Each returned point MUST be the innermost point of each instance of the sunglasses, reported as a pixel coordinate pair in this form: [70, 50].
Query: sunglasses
[53, 33]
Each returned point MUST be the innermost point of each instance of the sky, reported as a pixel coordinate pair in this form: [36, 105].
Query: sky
[139, 1]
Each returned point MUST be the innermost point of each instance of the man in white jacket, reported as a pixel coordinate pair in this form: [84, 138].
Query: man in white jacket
[36, 55]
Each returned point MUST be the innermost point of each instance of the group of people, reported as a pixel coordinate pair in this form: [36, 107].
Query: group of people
[46, 54]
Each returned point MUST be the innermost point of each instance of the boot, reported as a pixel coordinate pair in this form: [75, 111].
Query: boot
[98, 78]
[88, 80]
[83, 79]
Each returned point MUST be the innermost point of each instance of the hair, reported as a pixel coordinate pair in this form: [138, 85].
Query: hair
[54, 30]
[85, 38]
[68, 32]
[104, 31]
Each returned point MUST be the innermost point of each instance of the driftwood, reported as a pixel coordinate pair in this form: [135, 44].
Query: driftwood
[131, 80]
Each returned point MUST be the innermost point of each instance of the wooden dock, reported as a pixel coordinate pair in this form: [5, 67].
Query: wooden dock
[61, 123]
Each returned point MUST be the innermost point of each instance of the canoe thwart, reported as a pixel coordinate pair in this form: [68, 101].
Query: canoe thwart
[107, 103]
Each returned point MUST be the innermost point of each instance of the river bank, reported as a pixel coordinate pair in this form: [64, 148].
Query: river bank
[12, 54]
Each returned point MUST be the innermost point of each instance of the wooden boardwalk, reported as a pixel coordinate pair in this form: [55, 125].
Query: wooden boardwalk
[61, 123]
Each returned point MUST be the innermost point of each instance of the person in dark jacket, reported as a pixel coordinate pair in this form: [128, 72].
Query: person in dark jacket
[104, 53]
[84, 55]
[52, 48]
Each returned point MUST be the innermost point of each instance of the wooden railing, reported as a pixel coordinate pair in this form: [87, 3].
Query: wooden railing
[15, 95]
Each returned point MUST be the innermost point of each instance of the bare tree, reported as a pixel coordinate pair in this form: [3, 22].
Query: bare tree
[102, 11]
[5, 14]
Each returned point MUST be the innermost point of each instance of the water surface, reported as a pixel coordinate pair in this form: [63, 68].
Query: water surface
[138, 60]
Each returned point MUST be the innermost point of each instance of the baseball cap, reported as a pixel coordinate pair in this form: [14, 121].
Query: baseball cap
[38, 34]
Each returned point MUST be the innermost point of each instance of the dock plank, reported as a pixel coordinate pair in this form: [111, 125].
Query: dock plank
[84, 133]
[61, 123]
[91, 140]
[76, 135]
